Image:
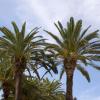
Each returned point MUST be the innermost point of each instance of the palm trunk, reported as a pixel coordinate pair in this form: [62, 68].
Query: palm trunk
[20, 64]
[18, 79]
[69, 66]
[69, 87]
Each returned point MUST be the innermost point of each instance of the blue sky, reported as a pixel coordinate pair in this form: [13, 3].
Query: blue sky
[44, 13]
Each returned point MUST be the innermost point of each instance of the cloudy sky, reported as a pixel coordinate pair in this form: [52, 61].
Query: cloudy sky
[44, 13]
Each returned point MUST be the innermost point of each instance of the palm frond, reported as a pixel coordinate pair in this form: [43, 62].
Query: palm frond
[8, 34]
[92, 35]
[15, 27]
[84, 72]
[55, 38]
[62, 72]
[23, 29]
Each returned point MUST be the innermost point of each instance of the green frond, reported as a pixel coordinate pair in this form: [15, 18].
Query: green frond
[95, 45]
[15, 27]
[8, 34]
[94, 57]
[33, 67]
[77, 30]
[72, 24]
[81, 45]
[58, 49]
[94, 66]
[62, 72]
[84, 72]
[55, 38]
[60, 25]
[23, 29]
[60, 29]
[84, 61]
[5, 44]
[85, 46]
[91, 36]
[90, 51]
[83, 33]
[31, 35]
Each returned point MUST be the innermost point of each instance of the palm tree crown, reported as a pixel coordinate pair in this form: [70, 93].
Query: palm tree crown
[77, 44]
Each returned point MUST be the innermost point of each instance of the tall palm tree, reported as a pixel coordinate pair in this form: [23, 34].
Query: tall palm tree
[19, 47]
[75, 49]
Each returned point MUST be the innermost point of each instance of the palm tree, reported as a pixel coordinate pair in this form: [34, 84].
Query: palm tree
[19, 47]
[75, 49]
[6, 77]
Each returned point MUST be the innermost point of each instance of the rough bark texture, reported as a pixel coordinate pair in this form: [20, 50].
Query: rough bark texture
[20, 64]
[69, 67]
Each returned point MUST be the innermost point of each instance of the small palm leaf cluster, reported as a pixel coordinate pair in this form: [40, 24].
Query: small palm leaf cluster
[42, 90]
[52, 90]
[75, 48]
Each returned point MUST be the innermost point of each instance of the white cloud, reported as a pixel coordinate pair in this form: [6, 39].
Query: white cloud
[45, 12]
